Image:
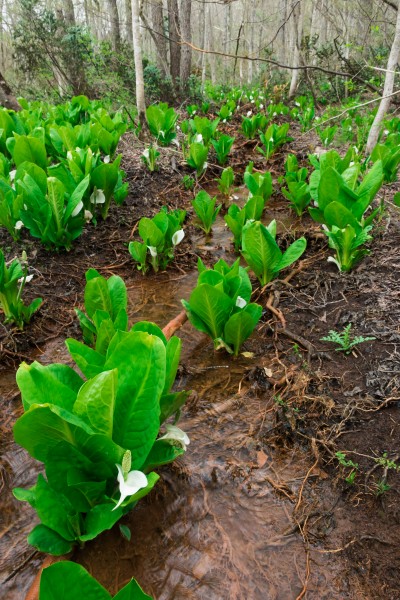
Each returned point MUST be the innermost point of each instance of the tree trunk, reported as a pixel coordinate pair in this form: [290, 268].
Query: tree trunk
[211, 45]
[137, 49]
[186, 51]
[388, 88]
[298, 16]
[69, 14]
[7, 98]
[160, 42]
[174, 37]
[115, 29]
[128, 22]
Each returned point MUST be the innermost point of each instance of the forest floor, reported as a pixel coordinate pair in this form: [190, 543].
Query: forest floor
[259, 507]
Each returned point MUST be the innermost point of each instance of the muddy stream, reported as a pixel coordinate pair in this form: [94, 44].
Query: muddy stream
[218, 525]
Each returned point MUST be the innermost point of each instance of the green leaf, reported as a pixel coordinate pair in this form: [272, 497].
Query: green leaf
[36, 381]
[260, 251]
[294, 252]
[241, 325]
[29, 149]
[141, 361]
[96, 401]
[47, 540]
[132, 591]
[212, 306]
[162, 453]
[89, 361]
[43, 426]
[69, 581]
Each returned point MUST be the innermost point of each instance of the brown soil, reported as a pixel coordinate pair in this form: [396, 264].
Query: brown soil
[259, 506]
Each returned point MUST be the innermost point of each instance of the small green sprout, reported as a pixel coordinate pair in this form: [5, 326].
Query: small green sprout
[343, 462]
[345, 340]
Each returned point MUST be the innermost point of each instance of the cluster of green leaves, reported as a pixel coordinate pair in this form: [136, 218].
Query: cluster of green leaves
[258, 184]
[254, 124]
[389, 154]
[162, 122]
[205, 209]
[106, 302]
[149, 157]
[200, 131]
[160, 235]
[262, 253]
[327, 135]
[67, 580]
[226, 180]
[273, 138]
[82, 429]
[222, 146]
[220, 305]
[12, 283]
[237, 217]
[340, 204]
[304, 111]
[56, 196]
[297, 191]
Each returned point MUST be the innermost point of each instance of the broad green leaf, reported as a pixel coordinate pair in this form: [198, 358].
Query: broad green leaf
[260, 251]
[132, 591]
[29, 149]
[212, 306]
[241, 325]
[141, 361]
[88, 360]
[56, 382]
[294, 252]
[161, 453]
[96, 401]
[43, 426]
[47, 540]
[69, 581]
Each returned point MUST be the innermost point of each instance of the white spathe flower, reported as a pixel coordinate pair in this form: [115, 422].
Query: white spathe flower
[271, 139]
[274, 114]
[77, 209]
[224, 120]
[297, 103]
[240, 302]
[129, 484]
[261, 106]
[12, 174]
[19, 225]
[69, 155]
[194, 112]
[27, 280]
[176, 435]
[146, 154]
[205, 166]
[87, 216]
[176, 142]
[198, 138]
[252, 101]
[249, 113]
[106, 159]
[152, 250]
[97, 197]
[333, 260]
[385, 133]
[178, 237]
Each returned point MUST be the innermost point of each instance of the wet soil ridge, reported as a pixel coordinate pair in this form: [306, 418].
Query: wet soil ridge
[259, 507]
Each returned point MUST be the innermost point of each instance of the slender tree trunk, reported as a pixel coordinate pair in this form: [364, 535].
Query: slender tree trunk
[203, 43]
[160, 42]
[211, 45]
[7, 98]
[174, 37]
[297, 16]
[128, 22]
[137, 49]
[69, 14]
[115, 29]
[186, 51]
[388, 88]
